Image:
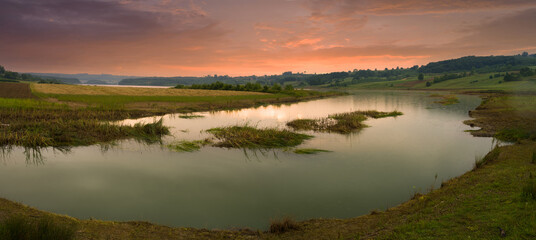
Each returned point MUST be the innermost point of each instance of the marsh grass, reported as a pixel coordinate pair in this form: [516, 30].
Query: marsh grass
[190, 116]
[188, 146]
[340, 123]
[255, 138]
[54, 129]
[283, 225]
[533, 161]
[23, 228]
[309, 151]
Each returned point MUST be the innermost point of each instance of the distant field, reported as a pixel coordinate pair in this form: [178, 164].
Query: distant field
[131, 91]
[474, 82]
[15, 90]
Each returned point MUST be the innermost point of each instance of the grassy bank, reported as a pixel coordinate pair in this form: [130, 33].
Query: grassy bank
[339, 123]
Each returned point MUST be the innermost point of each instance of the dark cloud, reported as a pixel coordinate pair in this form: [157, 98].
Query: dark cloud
[511, 32]
[67, 20]
[397, 7]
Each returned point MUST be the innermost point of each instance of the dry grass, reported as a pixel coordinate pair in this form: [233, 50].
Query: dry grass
[285, 224]
[15, 90]
[130, 91]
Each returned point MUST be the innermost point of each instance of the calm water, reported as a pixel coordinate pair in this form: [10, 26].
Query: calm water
[376, 168]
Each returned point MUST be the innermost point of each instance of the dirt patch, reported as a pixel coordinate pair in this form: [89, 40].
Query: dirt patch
[15, 90]
[131, 91]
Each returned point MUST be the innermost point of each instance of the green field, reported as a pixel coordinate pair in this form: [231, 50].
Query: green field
[476, 82]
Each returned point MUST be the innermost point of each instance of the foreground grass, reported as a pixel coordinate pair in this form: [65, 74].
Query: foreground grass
[340, 123]
[255, 138]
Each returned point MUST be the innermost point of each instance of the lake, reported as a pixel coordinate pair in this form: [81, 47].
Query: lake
[375, 168]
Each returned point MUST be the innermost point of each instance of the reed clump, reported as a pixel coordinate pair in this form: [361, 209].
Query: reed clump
[64, 127]
[251, 137]
[283, 225]
[340, 123]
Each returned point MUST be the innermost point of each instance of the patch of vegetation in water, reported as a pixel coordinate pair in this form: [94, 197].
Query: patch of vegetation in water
[190, 116]
[56, 132]
[309, 151]
[340, 123]
[188, 146]
[445, 99]
[255, 138]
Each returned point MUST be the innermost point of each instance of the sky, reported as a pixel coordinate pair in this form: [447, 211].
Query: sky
[255, 37]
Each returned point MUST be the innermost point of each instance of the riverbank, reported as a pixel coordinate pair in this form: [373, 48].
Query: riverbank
[57, 115]
[482, 204]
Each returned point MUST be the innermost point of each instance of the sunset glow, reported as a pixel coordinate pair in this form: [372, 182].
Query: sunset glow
[244, 37]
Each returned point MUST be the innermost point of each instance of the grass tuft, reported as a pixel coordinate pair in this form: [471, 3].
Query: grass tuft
[340, 123]
[188, 146]
[254, 138]
[283, 225]
[309, 151]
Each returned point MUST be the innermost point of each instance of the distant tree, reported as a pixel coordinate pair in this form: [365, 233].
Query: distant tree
[511, 77]
[2, 69]
[428, 84]
[26, 76]
[276, 88]
[525, 72]
[11, 75]
[421, 77]
[289, 87]
[490, 76]
[525, 54]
